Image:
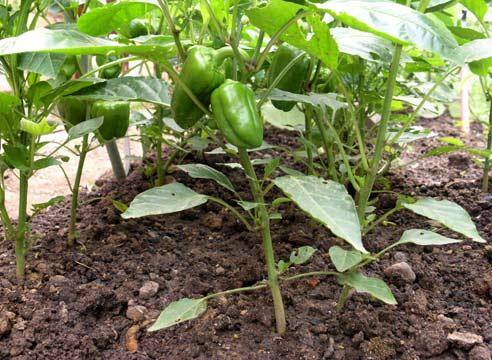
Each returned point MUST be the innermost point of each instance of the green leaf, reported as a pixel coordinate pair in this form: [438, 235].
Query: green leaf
[247, 205]
[85, 127]
[201, 171]
[475, 50]
[291, 120]
[318, 42]
[41, 63]
[301, 255]
[327, 202]
[373, 286]
[178, 312]
[477, 7]
[436, 5]
[344, 259]
[165, 199]
[37, 129]
[329, 99]
[114, 16]
[44, 163]
[121, 207]
[424, 238]
[447, 213]
[395, 22]
[71, 42]
[363, 44]
[36, 208]
[128, 88]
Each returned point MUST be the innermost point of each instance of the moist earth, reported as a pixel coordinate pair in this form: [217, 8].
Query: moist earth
[96, 301]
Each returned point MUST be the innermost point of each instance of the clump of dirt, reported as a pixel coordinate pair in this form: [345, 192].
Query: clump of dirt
[98, 300]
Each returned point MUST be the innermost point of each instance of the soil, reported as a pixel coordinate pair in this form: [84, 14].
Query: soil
[79, 304]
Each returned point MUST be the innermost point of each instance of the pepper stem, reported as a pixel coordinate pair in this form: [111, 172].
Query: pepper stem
[264, 223]
[228, 52]
[115, 159]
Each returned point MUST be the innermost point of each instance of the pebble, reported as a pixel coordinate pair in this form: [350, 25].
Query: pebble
[401, 271]
[5, 324]
[466, 247]
[136, 312]
[464, 340]
[486, 202]
[148, 289]
[400, 256]
[58, 279]
[488, 251]
[480, 352]
[219, 270]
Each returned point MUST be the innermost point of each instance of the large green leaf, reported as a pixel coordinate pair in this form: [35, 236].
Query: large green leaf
[114, 16]
[478, 54]
[375, 287]
[277, 13]
[477, 7]
[41, 63]
[447, 213]
[165, 199]
[202, 171]
[424, 238]
[326, 201]
[316, 99]
[360, 43]
[344, 259]
[436, 5]
[85, 127]
[128, 88]
[72, 42]
[395, 22]
[178, 312]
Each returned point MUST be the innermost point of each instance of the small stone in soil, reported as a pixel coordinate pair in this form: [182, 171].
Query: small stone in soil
[136, 313]
[149, 289]
[464, 340]
[212, 221]
[401, 273]
[400, 256]
[5, 324]
[480, 352]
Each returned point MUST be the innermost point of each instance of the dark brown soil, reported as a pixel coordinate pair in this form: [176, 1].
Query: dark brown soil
[74, 304]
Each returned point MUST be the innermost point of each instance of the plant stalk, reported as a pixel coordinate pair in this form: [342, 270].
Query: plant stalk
[381, 137]
[115, 159]
[486, 167]
[20, 241]
[264, 222]
[72, 232]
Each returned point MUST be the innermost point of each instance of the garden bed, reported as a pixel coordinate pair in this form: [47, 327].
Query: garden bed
[96, 302]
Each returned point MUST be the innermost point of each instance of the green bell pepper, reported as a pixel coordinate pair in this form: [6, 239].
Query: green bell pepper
[116, 118]
[70, 66]
[202, 74]
[295, 77]
[72, 110]
[236, 115]
[110, 72]
[137, 28]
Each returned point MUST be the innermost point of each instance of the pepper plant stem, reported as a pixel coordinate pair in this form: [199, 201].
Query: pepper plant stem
[486, 167]
[115, 159]
[264, 222]
[20, 242]
[72, 232]
[381, 137]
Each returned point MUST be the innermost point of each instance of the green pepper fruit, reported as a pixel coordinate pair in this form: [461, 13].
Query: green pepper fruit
[236, 114]
[72, 110]
[70, 66]
[295, 77]
[137, 28]
[202, 74]
[116, 118]
[110, 72]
